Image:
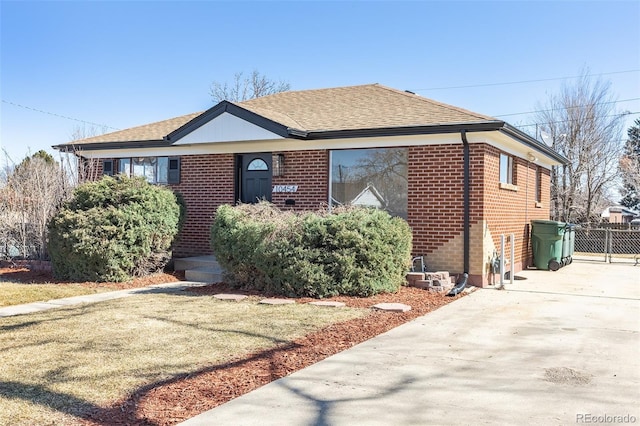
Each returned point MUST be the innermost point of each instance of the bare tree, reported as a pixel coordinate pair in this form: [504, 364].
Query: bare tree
[584, 127]
[243, 88]
[31, 194]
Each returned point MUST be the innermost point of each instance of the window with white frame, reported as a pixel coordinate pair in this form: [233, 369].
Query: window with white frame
[506, 169]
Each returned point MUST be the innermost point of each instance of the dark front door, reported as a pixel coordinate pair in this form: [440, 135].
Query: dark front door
[255, 177]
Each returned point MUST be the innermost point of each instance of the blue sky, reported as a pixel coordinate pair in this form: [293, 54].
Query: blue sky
[122, 64]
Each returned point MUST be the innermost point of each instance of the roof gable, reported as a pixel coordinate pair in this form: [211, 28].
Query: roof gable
[225, 127]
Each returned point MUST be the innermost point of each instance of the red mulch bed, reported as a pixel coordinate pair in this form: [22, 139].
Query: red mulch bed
[177, 399]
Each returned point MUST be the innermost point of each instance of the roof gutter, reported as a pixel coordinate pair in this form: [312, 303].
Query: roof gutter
[483, 126]
[101, 146]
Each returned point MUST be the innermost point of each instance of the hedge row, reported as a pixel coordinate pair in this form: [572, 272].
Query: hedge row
[351, 251]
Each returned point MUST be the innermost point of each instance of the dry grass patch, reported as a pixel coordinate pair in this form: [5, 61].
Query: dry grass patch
[18, 293]
[58, 364]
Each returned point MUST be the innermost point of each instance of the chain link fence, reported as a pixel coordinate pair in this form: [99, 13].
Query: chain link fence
[619, 243]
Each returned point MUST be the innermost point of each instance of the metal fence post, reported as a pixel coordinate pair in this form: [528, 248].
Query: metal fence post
[513, 255]
[502, 261]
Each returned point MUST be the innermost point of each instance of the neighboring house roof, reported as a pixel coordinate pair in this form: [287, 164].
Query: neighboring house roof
[343, 112]
[619, 209]
[369, 197]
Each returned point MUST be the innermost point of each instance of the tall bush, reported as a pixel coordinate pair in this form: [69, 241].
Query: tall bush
[114, 229]
[355, 251]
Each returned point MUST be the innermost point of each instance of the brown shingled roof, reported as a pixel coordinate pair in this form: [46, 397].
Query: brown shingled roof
[370, 106]
[357, 107]
[147, 132]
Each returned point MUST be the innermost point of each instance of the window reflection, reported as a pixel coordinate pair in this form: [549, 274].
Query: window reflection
[370, 177]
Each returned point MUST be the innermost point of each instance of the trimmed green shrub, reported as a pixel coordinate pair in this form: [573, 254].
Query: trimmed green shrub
[352, 251]
[114, 229]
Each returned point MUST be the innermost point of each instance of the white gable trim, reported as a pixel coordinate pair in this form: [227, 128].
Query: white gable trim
[226, 128]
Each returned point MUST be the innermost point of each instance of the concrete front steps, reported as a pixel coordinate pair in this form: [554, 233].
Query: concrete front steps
[204, 269]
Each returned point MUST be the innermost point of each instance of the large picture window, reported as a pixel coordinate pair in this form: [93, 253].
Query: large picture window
[370, 177]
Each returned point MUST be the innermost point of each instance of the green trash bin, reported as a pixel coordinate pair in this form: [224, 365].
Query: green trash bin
[547, 244]
[568, 243]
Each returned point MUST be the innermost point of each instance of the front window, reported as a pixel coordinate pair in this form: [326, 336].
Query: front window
[124, 166]
[370, 177]
[146, 167]
[162, 170]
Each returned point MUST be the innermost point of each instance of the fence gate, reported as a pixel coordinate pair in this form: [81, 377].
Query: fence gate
[615, 243]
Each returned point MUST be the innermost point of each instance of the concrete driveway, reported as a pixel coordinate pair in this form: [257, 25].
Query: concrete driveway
[555, 348]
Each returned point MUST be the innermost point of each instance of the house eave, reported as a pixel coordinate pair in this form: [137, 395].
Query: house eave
[438, 128]
[533, 143]
[103, 146]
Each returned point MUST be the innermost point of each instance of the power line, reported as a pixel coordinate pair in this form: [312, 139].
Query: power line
[567, 121]
[58, 115]
[522, 81]
[555, 109]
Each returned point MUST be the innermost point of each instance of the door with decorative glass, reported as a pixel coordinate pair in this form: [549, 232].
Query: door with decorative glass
[255, 177]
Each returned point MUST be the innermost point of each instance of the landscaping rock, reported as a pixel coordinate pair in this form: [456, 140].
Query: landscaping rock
[277, 301]
[412, 277]
[392, 307]
[328, 304]
[423, 284]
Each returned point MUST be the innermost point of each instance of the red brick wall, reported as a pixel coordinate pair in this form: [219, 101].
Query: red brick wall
[436, 202]
[435, 198]
[310, 171]
[206, 182]
[435, 195]
[510, 211]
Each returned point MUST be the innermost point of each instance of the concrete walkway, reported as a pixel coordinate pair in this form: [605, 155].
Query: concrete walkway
[554, 348]
[28, 308]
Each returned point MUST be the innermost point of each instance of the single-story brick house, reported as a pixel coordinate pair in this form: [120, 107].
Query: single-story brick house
[459, 178]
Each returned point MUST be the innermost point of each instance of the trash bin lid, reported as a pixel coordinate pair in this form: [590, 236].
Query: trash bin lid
[548, 222]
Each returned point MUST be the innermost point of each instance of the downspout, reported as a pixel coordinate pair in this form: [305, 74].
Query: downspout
[462, 283]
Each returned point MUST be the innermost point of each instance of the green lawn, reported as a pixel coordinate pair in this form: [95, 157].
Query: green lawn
[58, 363]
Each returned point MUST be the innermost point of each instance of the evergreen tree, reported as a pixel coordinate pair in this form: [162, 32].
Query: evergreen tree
[630, 168]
